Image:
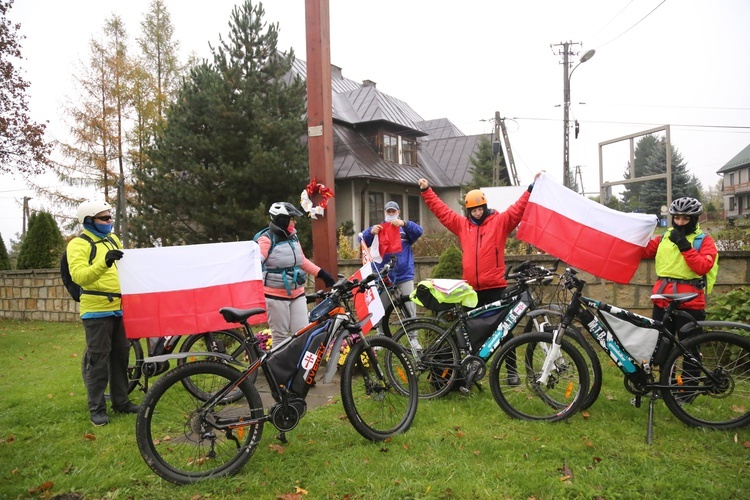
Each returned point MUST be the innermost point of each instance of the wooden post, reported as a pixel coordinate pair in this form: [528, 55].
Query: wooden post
[320, 129]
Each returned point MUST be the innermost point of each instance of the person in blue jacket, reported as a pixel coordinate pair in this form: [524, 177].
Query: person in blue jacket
[402, 274]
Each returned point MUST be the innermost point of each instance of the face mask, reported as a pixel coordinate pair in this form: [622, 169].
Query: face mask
[391, 218]
[103, 228]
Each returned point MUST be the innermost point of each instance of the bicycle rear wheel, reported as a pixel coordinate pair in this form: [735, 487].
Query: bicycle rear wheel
[374, 406]
[229, 342]
[135, 363]
[558, 399]
[694, 396]
[438, 358]
[182, 441]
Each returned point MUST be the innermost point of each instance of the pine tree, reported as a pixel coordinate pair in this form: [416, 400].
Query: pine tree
[43, 244]
[483, 165]
[230, 145]
[651, 159]
[4, 257]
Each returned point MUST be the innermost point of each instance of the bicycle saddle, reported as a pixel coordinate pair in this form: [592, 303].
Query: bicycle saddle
[234, 315]
[675, 297]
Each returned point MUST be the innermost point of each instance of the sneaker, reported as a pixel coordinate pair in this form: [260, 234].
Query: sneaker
[128, 408]
[99, 419]
[514, 380]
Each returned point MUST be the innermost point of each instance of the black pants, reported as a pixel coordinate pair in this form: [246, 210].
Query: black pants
[106, 363]
[690, 371]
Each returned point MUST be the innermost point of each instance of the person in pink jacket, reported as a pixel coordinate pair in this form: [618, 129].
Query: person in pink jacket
[285, 270]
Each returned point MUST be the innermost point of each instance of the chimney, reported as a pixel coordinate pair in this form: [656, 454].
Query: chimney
[368, 83]
[336, 72]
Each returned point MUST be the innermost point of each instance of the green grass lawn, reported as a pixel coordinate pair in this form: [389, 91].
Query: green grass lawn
[458, 447]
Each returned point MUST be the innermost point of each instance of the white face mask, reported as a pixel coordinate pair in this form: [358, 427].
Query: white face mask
[391, 218]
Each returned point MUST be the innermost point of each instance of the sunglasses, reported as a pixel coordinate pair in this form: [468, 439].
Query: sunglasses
[105, 218]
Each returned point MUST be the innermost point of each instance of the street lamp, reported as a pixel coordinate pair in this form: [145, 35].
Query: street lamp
[566, 108]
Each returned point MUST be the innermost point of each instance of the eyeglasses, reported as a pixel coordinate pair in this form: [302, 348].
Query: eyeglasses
[105, 218]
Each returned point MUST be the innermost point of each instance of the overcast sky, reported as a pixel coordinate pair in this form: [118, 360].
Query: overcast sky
[677, 62]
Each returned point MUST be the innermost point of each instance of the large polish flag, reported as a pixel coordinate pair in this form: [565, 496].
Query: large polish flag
[585, 234]
[367, 302]
[179, 290]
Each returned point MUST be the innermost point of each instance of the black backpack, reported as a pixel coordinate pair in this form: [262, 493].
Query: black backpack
[74, 289]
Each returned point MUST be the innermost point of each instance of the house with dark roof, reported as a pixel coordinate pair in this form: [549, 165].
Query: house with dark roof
[382, 147]
[735, 185]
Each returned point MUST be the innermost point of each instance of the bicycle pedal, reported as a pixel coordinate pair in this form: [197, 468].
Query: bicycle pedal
[464, 390]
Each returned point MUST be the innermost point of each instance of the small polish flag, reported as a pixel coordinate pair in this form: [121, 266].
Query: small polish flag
[585, 234]
[367, 302]
[179, 290]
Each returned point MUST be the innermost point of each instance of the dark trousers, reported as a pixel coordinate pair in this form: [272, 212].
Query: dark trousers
[690, 371]
[106, 362]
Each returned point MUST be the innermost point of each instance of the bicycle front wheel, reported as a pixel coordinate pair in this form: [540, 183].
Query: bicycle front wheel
[182, 441]
[519, 392]
[437, 358]
[375, 407]
[714, 390]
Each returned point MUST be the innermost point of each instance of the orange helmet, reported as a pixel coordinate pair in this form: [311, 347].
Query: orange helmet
[474, 198]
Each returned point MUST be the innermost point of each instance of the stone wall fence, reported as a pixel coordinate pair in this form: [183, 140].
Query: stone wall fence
[39, 294]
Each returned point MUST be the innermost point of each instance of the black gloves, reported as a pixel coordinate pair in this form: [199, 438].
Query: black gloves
[678, 238]
[327, 278]
[112, 256]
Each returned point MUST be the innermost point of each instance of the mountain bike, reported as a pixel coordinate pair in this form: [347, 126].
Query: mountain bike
[704, 379]
[184, 438]
[223, 344]
[458, 355]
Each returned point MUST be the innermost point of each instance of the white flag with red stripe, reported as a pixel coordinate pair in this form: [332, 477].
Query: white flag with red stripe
[367, 302]
[585, 234]
[179, 290]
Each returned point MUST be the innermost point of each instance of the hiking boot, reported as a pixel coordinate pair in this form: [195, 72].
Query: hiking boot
[99, 419]
[128, 408]
[513, 380]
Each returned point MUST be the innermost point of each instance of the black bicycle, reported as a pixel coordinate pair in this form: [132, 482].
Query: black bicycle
[704, 380]
[457, 356]
[184, 438]
[226, 344]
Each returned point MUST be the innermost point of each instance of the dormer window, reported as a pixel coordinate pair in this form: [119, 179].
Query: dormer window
[398, 149]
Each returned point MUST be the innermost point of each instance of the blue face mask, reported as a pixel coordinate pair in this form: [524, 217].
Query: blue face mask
[103, 228]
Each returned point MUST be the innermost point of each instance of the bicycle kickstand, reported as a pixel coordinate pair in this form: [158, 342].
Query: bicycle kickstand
[282, 437]
[650, 430]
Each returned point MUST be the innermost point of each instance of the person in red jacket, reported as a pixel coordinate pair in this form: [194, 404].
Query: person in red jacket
[482, 234]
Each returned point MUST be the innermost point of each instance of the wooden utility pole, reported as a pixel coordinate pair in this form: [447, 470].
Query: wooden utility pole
[320, 128]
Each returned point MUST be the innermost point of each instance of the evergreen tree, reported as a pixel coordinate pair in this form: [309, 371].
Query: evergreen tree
[230, 145]
[43, 244]
[4, 257]
[483, 161]
[651, 159]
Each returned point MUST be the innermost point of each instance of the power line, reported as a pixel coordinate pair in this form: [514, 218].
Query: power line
[610, 21]
[736, 127]
[633, 26]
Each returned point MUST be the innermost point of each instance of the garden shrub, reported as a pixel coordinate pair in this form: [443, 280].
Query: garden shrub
[730, 306]
[449, 264]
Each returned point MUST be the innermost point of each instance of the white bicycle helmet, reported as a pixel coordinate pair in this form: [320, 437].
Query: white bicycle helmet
[91, 208]
[284, 208]
[686, 206]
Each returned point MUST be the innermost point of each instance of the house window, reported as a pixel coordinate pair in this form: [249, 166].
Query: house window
[731, 179]
[731, 203]
[414, 209]
[390, 147]
[376, 208]
[408, 152]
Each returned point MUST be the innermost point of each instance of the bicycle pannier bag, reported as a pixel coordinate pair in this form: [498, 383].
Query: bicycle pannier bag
[299, 360]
